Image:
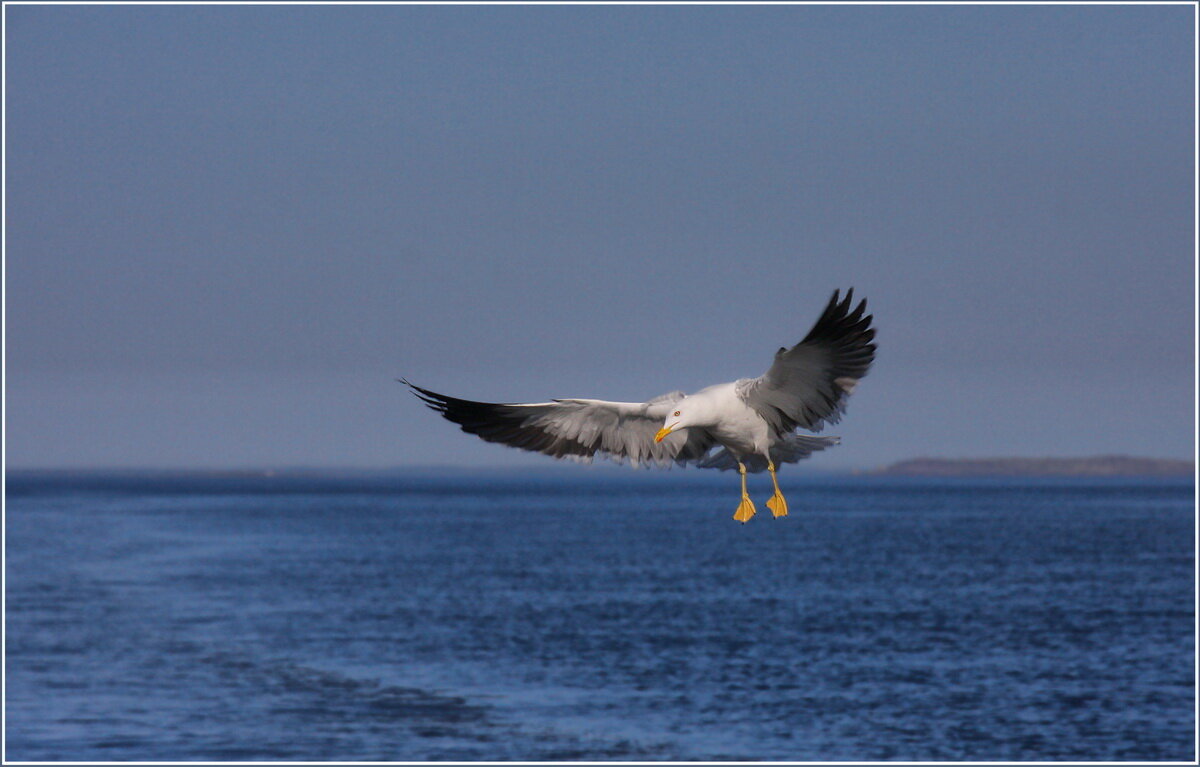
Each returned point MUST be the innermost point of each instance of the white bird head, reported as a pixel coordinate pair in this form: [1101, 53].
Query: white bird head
[679, 418]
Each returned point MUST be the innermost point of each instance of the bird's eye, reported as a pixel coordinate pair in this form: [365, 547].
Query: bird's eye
[676, 412]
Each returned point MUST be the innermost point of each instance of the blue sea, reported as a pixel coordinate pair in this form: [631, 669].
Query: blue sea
[590, 615]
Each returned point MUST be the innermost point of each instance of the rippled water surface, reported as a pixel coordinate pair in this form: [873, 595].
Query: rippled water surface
[586, 616]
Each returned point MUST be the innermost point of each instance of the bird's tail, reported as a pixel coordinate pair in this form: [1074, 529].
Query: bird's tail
[797, 447]
[793, 448]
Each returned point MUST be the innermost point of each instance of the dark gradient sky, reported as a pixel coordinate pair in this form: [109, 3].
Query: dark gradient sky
[230, 228]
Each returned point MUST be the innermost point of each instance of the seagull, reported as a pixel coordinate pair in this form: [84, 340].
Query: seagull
[750, 424]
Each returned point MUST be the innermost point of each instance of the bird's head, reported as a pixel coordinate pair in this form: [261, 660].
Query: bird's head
[678, 418]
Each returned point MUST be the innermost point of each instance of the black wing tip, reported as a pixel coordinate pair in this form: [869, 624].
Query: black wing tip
[431, 399]
[417, 390]
[412, 386]
[843, 303]
[840, 319]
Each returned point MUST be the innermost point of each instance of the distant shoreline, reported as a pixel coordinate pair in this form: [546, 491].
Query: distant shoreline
[1092, 466]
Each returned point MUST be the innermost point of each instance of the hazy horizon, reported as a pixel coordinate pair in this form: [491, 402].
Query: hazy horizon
[231, 228]
[599, 466]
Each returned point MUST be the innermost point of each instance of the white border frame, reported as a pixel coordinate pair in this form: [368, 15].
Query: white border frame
[682, 3]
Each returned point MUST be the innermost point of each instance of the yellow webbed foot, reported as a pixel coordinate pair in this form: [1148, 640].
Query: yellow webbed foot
[778, 505]
[745, 510]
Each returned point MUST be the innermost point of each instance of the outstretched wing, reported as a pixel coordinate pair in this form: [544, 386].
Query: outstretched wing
[577, 428]
[808, 384]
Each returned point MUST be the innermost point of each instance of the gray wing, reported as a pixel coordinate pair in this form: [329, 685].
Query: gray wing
[808, 384]
[577, 428]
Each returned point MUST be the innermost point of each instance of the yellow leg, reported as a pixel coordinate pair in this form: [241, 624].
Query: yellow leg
[745, 509]
[777, 504]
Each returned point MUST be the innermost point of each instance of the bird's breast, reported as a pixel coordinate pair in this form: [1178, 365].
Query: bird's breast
[742, 430]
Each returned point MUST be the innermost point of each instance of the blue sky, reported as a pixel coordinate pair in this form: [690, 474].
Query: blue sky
[231, 228]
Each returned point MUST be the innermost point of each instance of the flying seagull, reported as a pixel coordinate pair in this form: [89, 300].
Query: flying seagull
[753, 421]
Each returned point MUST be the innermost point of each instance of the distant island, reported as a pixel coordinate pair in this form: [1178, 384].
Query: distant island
[1095, 466]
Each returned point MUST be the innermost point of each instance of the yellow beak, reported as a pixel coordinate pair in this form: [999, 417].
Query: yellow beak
[662, 433]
